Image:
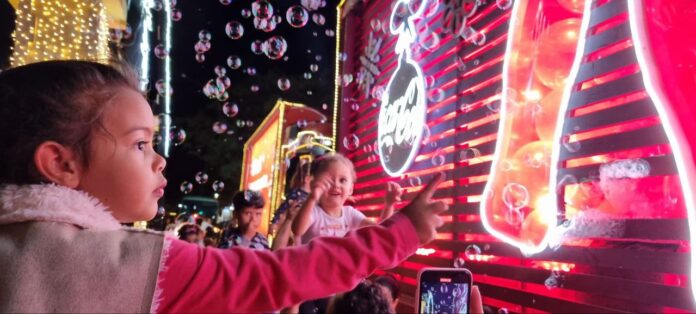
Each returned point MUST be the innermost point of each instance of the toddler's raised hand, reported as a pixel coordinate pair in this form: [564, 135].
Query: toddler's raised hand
[393, 195]
[423, 211]
[319, 186]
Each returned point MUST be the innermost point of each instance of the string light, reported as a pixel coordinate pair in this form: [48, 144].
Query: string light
[145, 44]
[60, 30]
[167, 73]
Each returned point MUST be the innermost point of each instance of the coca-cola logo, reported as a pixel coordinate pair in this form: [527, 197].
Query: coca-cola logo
[403, 108]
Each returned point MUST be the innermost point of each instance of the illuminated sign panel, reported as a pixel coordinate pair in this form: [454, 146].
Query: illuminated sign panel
[259, 174]
[402, 113]
[582, 111]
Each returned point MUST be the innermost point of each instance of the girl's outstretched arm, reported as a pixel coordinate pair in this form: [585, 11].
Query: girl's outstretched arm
[241, 280]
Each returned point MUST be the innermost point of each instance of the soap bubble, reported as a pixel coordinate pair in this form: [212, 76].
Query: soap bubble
[219, 127]
[503, 4]
[275, 47]
[160, 52]
[351, 141]
[234, 62]
[472, 251]
[176, 15]
[257, 47]
[201, 177]
[230, 109]
[204, 35]
[218, 186]
[262, 9]
[186, 187]
[178, 136]
[515, 195]
[234, 30]
[220, 70]
[201, 46]
[200, 58]
[318, 19]
[283, 83]
[297, 16]
[311, 5]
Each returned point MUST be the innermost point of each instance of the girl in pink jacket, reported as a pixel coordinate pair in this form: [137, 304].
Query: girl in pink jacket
[77, 160]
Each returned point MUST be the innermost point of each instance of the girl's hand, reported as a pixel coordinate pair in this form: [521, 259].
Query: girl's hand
[424, 212]
[393, 195]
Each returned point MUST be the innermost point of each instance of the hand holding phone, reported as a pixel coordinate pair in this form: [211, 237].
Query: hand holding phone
[444, 290]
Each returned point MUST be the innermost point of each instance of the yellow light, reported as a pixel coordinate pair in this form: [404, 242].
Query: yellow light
[60, 30]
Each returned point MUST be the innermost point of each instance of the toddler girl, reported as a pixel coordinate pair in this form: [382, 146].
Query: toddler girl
[324, 213]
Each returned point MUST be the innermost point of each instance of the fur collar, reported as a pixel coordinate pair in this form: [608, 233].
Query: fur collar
[50, 202]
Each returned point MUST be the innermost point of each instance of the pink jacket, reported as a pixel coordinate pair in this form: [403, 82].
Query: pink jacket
[188, 279]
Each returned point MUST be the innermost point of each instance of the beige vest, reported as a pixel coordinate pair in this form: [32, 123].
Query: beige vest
[61, 251]
[56, 267]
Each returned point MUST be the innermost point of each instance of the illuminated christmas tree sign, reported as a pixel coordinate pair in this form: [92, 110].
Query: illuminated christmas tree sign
[402, 113]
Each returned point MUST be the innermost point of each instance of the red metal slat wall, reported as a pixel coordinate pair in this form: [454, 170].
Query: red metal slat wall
[642, 269]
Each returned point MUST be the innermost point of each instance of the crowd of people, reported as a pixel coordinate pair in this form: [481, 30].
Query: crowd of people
[78, 163]
[312, 208]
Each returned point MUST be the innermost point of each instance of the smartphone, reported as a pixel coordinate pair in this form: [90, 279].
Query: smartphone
[443, 290]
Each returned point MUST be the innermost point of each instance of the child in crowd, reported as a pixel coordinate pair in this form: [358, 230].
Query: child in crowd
[77, 161]
[190, 233]
[299, 190]
[366, 297]
[287, 211]
[248, 209]
[390, 286]
[324, 213]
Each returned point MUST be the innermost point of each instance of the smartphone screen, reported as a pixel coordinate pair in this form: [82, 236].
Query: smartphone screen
[444, 291]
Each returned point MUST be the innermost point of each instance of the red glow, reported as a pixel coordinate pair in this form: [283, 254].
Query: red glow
[554, 266]
[611, 76]
[622, 127]
[609, 50]
[487, 119]
[609, 23]
[443, 151]
[610, 103]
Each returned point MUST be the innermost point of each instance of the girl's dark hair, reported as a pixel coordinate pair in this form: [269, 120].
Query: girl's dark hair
[366, 297]
[61, 101]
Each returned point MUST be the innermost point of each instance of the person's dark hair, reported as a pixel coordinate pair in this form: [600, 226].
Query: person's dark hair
[61, 101]
[321, 164]
[390, 283]
[183, 218]
[247, 198]
[367, 297]
[187, 229]
[300, 172]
